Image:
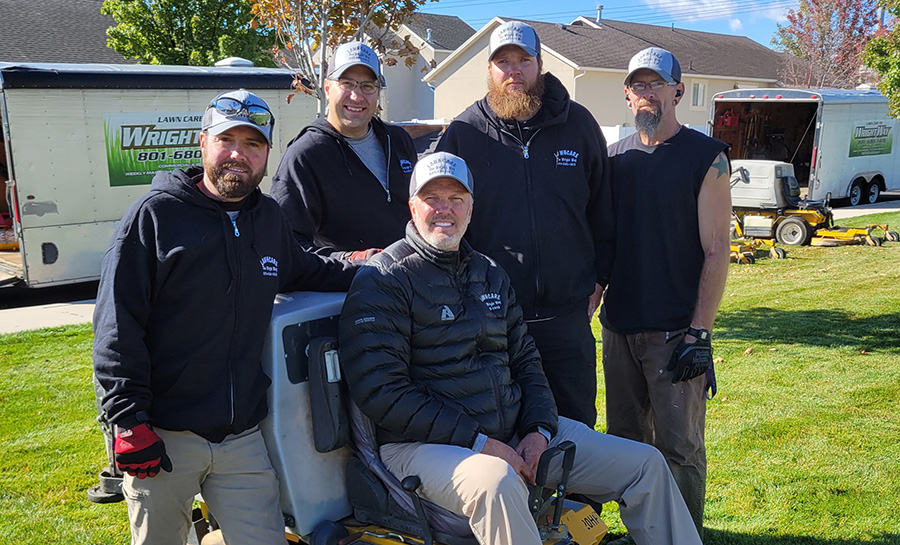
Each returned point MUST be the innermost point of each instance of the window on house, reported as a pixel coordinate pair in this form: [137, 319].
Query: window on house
[698, 95]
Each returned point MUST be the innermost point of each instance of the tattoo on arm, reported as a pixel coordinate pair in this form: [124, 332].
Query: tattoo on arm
[721, 165]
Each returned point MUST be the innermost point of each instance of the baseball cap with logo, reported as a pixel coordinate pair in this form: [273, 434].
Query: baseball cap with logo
[657, 59]
[440, 165]
[354, 54]
[236, 108]
[515, 33]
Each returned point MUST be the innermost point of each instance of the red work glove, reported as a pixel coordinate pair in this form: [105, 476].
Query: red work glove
[140, 452]
[362, 254]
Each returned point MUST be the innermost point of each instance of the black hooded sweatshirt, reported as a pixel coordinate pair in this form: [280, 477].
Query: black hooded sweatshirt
[183, 305]
[541, 192]
[333, 201]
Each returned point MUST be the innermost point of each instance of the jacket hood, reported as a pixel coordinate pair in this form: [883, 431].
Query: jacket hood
[554, 107]
[322, 126]
[180, 184]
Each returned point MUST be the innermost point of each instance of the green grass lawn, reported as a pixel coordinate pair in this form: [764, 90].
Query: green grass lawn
[803, 438]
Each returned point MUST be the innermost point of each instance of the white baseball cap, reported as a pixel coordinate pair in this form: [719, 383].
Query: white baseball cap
[515, 33]
[440, 165]
[657, 59]
[354, 54]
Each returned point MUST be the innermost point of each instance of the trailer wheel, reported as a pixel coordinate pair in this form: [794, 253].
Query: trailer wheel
[793, 231]
[328, 533]
[873, 192]
[874, 241]
[777, 253]
[856, 194]
[892, 236]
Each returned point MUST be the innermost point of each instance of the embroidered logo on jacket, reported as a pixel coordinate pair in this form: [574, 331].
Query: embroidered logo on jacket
[492, 301]
[566, 158]
[447, 314]
[269, 266]
[406, 166]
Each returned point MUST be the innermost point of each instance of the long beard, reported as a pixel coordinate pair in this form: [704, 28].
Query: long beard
[232, 186]
[647, 121]
[509, 104]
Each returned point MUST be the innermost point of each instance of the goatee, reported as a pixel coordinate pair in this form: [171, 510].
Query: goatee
[646, 121]
[514, 104]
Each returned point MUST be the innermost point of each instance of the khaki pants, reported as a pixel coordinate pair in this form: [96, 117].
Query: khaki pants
[235, 477]
[487, 490]
[642, 404]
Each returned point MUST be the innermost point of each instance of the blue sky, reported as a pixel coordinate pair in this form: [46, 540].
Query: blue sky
[756, 19]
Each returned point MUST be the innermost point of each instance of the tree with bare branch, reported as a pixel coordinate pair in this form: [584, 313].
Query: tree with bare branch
[307, 31]
[826, 39]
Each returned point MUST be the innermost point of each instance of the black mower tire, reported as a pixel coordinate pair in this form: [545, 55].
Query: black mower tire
[777, 253]
[328, 533]
[892, 236]
[793, 231]
[874, 241]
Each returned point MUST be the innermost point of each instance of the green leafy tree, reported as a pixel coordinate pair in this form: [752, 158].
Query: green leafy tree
[882, 54]
[826, 39]
[187, 32]
[307, 30]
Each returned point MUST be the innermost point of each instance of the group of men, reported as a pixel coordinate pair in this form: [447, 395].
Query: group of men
[465, 335]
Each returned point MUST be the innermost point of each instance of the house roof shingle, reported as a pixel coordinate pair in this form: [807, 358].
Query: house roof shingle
[700, 53]
[70, 31]
[447, 31]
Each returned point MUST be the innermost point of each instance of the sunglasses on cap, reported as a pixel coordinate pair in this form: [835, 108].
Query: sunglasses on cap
[231, 107]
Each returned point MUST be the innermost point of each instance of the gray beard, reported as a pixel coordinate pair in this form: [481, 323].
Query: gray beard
[646, 122]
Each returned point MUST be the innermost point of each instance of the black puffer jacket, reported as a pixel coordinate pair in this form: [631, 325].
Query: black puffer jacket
[435, 350]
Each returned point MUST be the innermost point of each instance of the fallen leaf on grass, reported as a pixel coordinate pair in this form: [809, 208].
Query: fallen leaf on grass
[724, 398]
[773, 350]
[720, 359]
[864, 352]
[748, 351]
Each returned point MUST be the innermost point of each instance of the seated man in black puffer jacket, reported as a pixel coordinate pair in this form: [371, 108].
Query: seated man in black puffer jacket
[436, 353]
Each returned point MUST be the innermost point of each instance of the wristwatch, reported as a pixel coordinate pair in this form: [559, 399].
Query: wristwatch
[700, 334]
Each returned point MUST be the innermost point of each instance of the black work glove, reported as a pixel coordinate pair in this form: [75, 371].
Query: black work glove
[690, 360]
[140, 452]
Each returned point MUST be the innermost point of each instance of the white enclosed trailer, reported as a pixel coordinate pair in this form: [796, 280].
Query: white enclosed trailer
[82, 142]
[840, 141]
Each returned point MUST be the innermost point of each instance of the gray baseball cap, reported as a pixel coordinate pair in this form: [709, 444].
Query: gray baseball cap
[354, 54]
[236, 108]
[515, 33]
[440, 165]
[657, 59]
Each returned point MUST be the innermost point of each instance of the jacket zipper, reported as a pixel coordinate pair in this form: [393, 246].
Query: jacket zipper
[237, 295]
[387, 168]
[534, 234]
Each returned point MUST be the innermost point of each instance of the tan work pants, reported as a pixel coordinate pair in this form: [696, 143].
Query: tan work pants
[235, 477]
[495, 499]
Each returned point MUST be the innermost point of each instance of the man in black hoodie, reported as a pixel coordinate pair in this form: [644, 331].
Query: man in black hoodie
[186, 292]
[543, 164]
[343, 181]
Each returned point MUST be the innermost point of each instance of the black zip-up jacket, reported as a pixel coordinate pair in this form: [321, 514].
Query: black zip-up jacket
[435, 350]
[541, 191]
[184, 301]
[333, 201]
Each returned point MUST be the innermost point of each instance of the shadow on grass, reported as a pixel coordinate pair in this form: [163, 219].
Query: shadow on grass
[831, 328]
[718, 537]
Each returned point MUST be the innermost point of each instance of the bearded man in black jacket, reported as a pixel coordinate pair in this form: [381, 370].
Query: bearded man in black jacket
[186, 293]
[541, 162]
[436, 353]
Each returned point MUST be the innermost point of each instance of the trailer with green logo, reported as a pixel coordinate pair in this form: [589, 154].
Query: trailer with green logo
[79, 143]
[840, 141]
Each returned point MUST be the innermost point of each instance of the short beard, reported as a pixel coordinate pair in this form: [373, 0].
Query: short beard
[646, 121]
[232, 186]
[515, 104]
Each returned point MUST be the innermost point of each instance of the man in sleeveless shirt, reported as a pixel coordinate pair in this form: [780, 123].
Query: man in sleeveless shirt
[672, 213]
[343, 181]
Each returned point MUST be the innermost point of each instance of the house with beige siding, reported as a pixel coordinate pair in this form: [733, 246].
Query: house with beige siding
[407, 97]
[591, 57]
